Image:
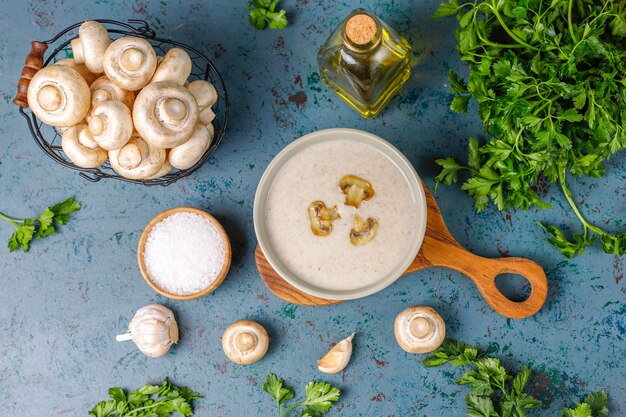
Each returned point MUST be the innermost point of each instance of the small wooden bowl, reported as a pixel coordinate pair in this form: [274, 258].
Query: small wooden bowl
[142, 245]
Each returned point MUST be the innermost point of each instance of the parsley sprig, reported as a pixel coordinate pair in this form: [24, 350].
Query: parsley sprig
[496, 393]
[25, 230]
[548, 77]
[148, 401]
[320, 397]
[263, 13]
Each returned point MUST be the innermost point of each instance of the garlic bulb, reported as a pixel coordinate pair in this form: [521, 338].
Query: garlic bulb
[337, 358]
[153, 329]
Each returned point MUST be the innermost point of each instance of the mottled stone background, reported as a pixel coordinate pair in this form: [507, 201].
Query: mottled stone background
[62, 304]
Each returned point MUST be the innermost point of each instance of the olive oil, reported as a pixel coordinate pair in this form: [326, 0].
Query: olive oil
[365, 62]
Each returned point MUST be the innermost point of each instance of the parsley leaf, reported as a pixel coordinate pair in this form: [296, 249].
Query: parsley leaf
[598, 402]
[263, 13]
[63, 210]
[546, 81]
[320, 397]
[274, 387]
[22, 236]
[447, 9]
[25, 230]
[567, 247]
[594, 406]
[46, 226]
[147, 401]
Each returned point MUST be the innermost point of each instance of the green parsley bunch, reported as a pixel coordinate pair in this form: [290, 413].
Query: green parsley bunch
[147, 401]
[549, 77]
[496, 393]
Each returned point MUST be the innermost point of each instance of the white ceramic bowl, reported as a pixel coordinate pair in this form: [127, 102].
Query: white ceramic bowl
[265, 184]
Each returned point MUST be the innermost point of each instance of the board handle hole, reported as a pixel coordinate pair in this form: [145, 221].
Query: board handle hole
[513, 286]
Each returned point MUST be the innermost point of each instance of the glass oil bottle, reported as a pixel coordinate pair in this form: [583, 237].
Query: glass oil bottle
[365, 62]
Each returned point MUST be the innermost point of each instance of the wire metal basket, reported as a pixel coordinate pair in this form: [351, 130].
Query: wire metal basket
[49, 138]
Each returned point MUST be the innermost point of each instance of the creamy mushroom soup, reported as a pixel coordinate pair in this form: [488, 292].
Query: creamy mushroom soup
[332, 262]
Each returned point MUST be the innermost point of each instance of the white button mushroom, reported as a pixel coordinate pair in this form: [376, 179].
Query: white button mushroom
[137, 160]
[111, 124]
[204, 92]
[130, 62]
[153, 329]
[165, 114]
[206, 96]
[104, 89]
[90, 46]
[175, 67]
[419, 329]
[189, 153]
[80, 68]
[81, 149]
[59, 96]
[245, 342]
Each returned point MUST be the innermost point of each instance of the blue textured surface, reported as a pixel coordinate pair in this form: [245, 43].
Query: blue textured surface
[62, 304]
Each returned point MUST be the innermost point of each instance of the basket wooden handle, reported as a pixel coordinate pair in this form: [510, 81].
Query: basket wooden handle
[33, 63]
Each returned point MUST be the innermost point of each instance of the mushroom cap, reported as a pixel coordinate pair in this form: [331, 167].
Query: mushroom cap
[59, 96]
[165, 114]
[90, 46]
[206, 116]
[111, 124]
[81, 149]
[165, 169]
[175, 66]
[130, 62]
[137, 160]
[419, 329]
[80, 68]
[211, 130]
[245, 342]
[104, 89]
[204, 92]
[189, 153]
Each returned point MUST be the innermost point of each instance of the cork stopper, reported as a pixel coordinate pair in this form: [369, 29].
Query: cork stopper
[361, 29]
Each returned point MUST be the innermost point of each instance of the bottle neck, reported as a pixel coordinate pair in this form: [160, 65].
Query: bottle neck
[362, 33]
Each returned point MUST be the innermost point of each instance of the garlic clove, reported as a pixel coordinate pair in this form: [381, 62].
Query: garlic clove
[337, 358]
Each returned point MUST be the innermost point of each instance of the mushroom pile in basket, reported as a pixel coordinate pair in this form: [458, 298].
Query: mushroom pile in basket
[120, 101]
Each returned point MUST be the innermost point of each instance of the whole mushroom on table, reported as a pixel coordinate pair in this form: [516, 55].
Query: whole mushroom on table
[119, 100]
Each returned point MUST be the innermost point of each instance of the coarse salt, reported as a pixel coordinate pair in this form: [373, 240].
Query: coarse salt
[184, 253]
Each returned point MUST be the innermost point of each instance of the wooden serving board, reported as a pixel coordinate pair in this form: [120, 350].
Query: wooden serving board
[440, 249]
